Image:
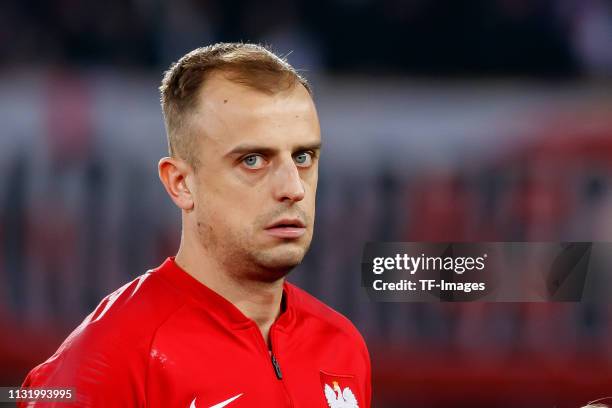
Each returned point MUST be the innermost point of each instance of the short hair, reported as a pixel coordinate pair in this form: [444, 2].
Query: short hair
[251, 65]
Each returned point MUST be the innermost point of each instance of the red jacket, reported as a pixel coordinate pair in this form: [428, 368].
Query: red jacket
[166, 340]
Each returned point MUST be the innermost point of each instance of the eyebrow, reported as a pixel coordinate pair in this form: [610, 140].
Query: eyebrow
[252, 148]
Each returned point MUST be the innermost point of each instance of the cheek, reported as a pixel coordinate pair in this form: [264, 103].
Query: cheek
[231, 213]
[213, 209]
[311, 193]
[221, 196]
[310, 181]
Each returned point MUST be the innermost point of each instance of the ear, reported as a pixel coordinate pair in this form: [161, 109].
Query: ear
[173, 175]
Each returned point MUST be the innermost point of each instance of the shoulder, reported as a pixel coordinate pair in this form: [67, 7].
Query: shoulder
[131, 313]
[109, 350]
[321, 318]
[316, 312]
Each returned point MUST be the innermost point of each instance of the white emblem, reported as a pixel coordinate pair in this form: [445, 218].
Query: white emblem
[219, 405]
[338, 398]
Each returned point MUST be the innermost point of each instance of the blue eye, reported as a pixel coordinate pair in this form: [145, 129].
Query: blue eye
[303, 159]
[253, 161]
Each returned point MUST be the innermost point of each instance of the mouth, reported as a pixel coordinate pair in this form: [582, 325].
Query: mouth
[288, 228]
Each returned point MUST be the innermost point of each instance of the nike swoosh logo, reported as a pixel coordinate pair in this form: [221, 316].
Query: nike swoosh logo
[219, 405]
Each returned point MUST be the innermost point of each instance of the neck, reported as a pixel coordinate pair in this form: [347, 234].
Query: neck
[257, 300]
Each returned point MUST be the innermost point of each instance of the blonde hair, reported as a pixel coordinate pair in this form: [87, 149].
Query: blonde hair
[250, 65]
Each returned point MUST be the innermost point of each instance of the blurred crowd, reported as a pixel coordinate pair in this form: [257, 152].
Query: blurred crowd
[525, 37]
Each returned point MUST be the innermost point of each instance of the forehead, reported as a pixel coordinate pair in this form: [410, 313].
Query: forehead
[228, 114]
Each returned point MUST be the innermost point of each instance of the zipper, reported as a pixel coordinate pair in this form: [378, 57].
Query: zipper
[276, 365]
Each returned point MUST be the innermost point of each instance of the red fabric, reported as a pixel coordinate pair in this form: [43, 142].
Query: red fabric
[166, 340]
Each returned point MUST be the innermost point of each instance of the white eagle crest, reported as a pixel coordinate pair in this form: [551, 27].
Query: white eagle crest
[338, 398]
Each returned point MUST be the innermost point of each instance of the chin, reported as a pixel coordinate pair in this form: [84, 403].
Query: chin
[280, 261]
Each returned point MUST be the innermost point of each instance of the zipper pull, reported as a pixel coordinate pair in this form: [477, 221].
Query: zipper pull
[277, 369]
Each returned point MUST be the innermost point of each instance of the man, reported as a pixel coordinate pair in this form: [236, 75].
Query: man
[218, 325]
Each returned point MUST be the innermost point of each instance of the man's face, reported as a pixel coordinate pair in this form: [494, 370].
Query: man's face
[254, 201]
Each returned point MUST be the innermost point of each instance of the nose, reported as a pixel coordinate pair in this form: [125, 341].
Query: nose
[288, 185]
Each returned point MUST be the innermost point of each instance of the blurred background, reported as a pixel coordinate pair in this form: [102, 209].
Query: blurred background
[442, 121]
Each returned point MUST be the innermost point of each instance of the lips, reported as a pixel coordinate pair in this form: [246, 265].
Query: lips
[288, 228]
